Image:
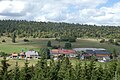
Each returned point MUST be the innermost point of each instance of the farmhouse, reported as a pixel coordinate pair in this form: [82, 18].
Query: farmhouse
[63, 52]
[31, 54]
[101, 54]
[14, 55]
[22, 55]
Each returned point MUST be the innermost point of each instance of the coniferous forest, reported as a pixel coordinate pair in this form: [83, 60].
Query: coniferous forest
[34, 29]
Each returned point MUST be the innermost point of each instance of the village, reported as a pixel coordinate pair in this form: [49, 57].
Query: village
[98, 54]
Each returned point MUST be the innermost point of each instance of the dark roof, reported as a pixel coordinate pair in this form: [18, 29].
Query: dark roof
[101, 52]
[89, 51]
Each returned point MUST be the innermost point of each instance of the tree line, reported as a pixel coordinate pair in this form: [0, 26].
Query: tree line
[48, 69]
[22, 28]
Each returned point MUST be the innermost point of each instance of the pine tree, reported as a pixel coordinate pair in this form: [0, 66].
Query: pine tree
[112, 69]
[41, 68]
[49, 44]
[66, 70]
[98, 75]
[78, 71]
[54, 67]
[90, 70]
[13, 37]
[106, 73]
[16, 73]
[84, 72]
[114, 54]
[4, 69]
[25, 72]
[118, 71]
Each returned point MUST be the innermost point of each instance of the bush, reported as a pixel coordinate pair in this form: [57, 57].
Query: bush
[116, 43]
[72, 39]
[68, 45]
[49, 44]
[3, 40]
[26, 40]
[102, 41]
[67, 38]
[111, 40]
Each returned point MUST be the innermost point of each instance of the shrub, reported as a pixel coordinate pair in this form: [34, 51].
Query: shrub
[111, 40]
[102, 41]
[49, 44]
[26, 40]
[3, 40]
[68, 45]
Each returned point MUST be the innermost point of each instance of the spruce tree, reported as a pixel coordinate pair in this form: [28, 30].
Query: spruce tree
[4, 69]
[41, 68]
[114, 54]
[16, 72]
[66, 70]
[25, 72]
[78, 71]
[49, 44]
[13, 37]
[112, 69]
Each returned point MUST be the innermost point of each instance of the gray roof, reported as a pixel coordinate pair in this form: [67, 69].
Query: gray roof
[85, 49]
[101, 52]
[31, 53]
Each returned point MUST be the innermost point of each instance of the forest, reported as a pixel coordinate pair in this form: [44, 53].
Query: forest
[33, 29]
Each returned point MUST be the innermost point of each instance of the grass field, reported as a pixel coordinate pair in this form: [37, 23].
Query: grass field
[36, 44]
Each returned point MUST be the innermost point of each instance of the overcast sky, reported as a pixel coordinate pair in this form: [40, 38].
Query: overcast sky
[100, 12]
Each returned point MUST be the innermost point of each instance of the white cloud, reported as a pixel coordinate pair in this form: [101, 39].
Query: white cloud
[73, 11]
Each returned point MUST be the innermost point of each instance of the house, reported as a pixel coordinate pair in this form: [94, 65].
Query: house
[56, 53]
[22, 55]
[101, 54]
[87, 54]
[14, 55]
[31, 54]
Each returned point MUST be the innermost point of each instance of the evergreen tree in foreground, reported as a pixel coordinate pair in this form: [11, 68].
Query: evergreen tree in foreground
[4, 69]
[16, 72]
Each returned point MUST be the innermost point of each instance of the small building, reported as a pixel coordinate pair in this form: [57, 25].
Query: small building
[14, 55]
[31, 54]
[22, 55]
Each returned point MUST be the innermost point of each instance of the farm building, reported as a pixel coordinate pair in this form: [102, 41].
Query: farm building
[32, 54]
[101, 54]
[61, 52]
[22, 55]
[14, 55]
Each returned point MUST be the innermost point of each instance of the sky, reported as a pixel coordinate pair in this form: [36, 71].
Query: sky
[99, 12]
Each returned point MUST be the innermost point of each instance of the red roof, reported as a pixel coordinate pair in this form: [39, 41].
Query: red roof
[62, 51]
[14, 54]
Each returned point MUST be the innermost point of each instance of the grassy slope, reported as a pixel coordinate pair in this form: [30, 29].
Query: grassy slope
[10, 47]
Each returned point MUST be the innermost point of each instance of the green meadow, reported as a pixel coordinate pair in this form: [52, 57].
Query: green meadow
[38, 43]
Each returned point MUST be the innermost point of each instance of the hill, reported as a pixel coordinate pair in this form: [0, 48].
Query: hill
[33, 29]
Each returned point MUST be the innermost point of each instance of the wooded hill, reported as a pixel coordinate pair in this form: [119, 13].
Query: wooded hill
[33, 29]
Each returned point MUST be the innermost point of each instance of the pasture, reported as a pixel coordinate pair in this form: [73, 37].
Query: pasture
[38, 43]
